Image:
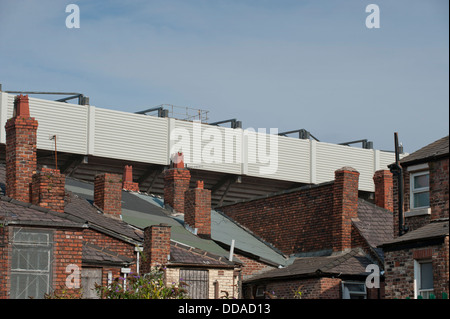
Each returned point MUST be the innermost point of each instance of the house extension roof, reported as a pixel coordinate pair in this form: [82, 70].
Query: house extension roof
[434, 150]
[434, 230]
[353, 262]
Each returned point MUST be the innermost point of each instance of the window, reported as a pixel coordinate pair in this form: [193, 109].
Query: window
[30, 263]
[197, 281]
[353, 290]
[423, 278]
[420, 195]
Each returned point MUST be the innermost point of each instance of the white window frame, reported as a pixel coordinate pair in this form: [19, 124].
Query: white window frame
[417, 291]
[423, 210]
[346, 293]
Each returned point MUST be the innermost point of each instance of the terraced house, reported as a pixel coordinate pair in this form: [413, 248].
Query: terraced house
[417, 259]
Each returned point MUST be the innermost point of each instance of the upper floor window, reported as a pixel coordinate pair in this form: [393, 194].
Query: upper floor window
[420, 189]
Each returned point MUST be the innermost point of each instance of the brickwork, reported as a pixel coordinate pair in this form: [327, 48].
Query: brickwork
[197, 210]
[312, 288]
[156, 246]
[308, 219]
[68, 250]
[108, 194]
[252, 267]
[345, 207]
[439, 199]
[21, 133]
[4, 260]
[176, 183]
[384, 191]
[399, 267]
[47, 189]
[128, 183]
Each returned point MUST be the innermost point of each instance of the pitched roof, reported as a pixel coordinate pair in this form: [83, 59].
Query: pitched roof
[374, 223]
[99, 255]
[435, 229]
[353, 262]
[433, 150]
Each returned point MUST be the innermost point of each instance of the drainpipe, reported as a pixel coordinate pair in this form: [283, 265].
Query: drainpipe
[397, 170]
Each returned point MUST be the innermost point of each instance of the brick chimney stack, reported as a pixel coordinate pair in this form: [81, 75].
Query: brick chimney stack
[128, 183]
[108, 194]
[47, 189]
[197, 210]
[176, 183]
[345, 206]
[384, 189]
[21, 134]
[156, 248]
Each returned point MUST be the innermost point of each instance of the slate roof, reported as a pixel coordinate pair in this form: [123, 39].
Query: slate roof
[99, 255]
[435, 229]
[353, 262]
[16, 212]
[374, 223]
[184, 255]
[431, 151]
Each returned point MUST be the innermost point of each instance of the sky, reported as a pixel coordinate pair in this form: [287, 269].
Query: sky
[285, 64]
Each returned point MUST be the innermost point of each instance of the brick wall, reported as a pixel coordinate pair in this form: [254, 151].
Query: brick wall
[156, 246]
[439, 196]
[176, 183]
[384, 192]
[128, 183]
[20, 151]
[108, 194]
[47, 189]
[313, 288]
[399, 265]
[197, 210]
[225, 277]
[4, 260]
[308, 219]
[67, 251]
[439, 199]
[251, 266]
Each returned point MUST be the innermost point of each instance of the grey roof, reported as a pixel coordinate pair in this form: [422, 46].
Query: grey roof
[435, 229]
[17, 212]
[374, 223]
[433, 150]
[353, 263]
[141, 210]
[100, 255]
[185, 255]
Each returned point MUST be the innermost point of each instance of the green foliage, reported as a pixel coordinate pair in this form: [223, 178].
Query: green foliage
[64, 293]
[148, 286]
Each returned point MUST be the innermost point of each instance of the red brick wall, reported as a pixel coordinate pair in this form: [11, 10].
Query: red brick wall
[47, 189]
[439, 199]
[384, 192]
[20, 151]
[108, 194]
[4, 260]
[313, 288]
[308, 219]
[251, 266]
[439, 196]
[176, 183]
[68, 250]
[156, 246]
[128, 183]
[399, 265]
[197, 210]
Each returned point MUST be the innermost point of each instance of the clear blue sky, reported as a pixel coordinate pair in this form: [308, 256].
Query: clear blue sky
[270, 63]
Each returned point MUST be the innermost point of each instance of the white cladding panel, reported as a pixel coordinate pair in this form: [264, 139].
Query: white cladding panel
[331, 157]
[114, 134]
[207, 147]
[66, 121]
[278, 157]
[129, 136]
